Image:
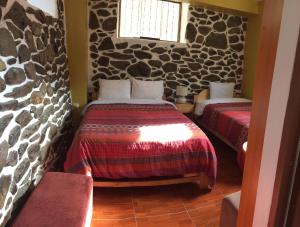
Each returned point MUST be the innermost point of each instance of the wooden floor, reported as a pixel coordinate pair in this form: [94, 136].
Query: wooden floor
[177, 205]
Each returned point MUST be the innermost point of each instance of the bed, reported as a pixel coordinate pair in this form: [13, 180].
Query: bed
[226, 118]
[140, 143]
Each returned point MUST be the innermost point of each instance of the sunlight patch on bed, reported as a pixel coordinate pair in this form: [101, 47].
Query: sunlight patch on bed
[165, 133]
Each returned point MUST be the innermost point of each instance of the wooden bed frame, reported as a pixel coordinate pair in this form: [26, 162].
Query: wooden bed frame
[202, 179]
[203, 95]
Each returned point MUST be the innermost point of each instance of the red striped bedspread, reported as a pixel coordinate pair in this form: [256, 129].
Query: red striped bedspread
[117, 141]
[230, 120]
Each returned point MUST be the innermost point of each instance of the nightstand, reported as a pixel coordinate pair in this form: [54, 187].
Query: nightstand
[185, 108]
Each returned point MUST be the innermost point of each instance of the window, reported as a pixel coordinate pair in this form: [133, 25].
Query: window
[49, 6]
[152, 19]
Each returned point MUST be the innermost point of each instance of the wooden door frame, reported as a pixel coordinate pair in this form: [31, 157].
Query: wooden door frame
[270, 30]
[288, 151]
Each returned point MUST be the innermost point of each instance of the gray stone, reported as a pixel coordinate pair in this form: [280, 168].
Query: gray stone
[212, 78]
[30, 71]
[139, 69]
[33, 152]
[204, 30]
[10, 105]
[40, 45]
[22, 149]
[120, 64]
[7, 44]
[103, 61]
[164, 57]
[106, 44]
[47, 113]
[237, 47]
[217, 40]
[4, 146]
[155, 63]
[191, 32]
[119, 56]
[93, 21]
[122, 45]
[19, 92]
[142, 54]
[21, 170]
[39, 14]
[169, 67]
[37, 97]
[194, 66]
[36, 28]
[109, 24]
[23, 118]
[4, 188]
[4, 122]
[24, 54]
[14, 135]
[2, 66]
[181, 51]
[200, 39]
[12, 158]
[103, 13]
[159, 50]
[30, 130]
[30, 41]
[3, 3]
[234, 21]
[2, 85]
[18, 16]
[12, 61]
[24, 186]
[220, 26]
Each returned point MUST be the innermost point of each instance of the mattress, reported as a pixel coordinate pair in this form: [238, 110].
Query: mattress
[139, 139]
[227, 118]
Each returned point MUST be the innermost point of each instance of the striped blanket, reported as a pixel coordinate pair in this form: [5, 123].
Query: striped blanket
[118, 141]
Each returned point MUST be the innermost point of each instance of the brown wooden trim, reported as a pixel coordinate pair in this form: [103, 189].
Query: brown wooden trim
[293, 218]
[288, 150]
[271, 22]
[201, 178]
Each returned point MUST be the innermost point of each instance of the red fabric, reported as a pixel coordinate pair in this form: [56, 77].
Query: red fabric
[60, 200]
[230, 120]
[118, 141]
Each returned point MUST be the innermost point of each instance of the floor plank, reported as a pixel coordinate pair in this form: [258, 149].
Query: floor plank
[175, 205]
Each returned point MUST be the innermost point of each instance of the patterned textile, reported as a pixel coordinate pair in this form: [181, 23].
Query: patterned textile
[118, 141]
[229, 120]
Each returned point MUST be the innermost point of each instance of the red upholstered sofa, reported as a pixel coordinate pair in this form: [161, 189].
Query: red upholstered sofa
[60, 200]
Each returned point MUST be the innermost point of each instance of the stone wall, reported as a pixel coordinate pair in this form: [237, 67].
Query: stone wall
[214, 51]
[34, 97]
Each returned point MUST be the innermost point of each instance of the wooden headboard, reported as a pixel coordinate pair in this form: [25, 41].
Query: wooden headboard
[203, 95]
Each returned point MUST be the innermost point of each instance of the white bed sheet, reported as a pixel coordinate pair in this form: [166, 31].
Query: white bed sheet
[126, 101]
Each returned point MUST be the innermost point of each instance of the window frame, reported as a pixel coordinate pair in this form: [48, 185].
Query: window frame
[151, 38]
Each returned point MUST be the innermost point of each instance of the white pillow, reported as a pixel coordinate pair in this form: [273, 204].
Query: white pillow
[114, 89]
[147, 89]
[221, 90]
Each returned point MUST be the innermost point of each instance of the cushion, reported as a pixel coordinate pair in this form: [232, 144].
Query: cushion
[114, 89]
[147, 89]
[61, 200]
[221, 90]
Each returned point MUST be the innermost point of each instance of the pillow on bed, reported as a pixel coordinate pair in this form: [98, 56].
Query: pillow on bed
[147, 89]
[114, 89]
[221, 90]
